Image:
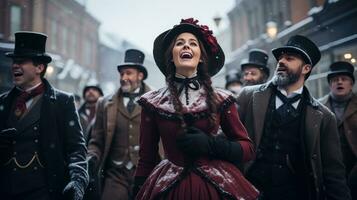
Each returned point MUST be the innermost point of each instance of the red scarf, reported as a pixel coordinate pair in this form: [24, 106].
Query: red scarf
[20, 103]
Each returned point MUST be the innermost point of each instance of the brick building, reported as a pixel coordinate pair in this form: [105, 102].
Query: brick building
[329, 23]
[72, 37]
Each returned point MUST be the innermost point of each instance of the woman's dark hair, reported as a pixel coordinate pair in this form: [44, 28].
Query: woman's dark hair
[204, 78]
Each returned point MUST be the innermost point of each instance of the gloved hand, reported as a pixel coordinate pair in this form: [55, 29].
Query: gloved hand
[73, 191]
[197, 143]
[138, 183]
[194, 142]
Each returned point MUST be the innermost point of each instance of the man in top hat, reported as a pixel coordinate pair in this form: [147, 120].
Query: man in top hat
[91, 94]
[343, 103]
[114, 144]
[43, 152]
[255, 70]
[296, 137]
[233, 82]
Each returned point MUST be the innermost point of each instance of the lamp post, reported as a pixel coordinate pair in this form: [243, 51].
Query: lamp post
[271, 29]
[217, 20]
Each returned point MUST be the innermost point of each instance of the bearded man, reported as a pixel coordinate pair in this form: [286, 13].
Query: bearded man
[298, 153]
[114, 144]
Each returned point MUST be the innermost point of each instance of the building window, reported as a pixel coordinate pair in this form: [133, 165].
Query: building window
[53, 35]
[64, 40]
[87, 52]
[15, 20]
[73, 44]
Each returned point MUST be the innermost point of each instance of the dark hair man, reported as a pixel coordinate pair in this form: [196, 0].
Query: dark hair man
[296, 138]
[42, 151]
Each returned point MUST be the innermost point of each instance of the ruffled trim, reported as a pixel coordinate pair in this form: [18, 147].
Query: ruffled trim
[145, 104]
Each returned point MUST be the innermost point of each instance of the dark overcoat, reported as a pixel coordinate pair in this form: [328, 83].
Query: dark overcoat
[62, 146]
[320, 140]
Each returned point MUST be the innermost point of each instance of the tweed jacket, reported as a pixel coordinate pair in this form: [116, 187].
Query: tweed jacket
[320, 139]
[109, 110]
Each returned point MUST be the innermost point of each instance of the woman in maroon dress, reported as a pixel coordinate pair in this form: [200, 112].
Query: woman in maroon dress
[186, 115]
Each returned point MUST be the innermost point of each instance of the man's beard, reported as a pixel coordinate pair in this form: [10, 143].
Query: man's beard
[287, 78]
[255, 82]
[129, 86]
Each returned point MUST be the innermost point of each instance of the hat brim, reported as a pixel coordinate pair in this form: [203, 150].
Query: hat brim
[341, 72]
[42, 56]
[163, 41]
[277, 52]
[137, 66]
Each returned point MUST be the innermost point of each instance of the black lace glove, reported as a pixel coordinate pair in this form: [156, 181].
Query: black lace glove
[138, 183]
[197, 143]
[73, 191]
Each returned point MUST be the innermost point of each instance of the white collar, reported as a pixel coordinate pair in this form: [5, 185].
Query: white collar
[294, 93]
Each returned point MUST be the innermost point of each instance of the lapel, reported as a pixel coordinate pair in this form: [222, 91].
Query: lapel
[260, 105]
[351, 108]
[31, 117]
[313, 121]
[121, 107]
[111, 109]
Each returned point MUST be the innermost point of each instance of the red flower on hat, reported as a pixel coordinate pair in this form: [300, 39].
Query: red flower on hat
[207, 34]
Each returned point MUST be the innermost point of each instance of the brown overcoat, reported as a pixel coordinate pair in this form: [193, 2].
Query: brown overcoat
[349, 121]
[110, 110]
[320, 139]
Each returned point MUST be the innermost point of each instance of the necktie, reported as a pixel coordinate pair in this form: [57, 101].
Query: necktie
[20, 104]
[131, 104]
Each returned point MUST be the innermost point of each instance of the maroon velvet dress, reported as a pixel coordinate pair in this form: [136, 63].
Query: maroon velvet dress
[179, 177]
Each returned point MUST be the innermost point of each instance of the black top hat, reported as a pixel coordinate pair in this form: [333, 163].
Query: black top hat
[134, 58]
[258, 58]
[96, 87]
[341, 68]
[30, 45]
[300, 45]
[202, 32]
[232, 77]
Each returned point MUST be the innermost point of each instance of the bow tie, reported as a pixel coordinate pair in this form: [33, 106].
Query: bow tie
[192, 83]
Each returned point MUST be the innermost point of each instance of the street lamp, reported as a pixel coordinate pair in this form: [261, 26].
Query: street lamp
[271, 29]
[217, 20]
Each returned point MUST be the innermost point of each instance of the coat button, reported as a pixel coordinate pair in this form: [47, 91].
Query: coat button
[35, 128]
[130, 126]
[314, 156]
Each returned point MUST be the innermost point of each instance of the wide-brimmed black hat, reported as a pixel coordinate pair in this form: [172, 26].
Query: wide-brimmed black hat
[30, 45]
[341, 68]
[134, 58]
[215, 53]
[302, 46]
[96, 87]
[233, 76]
[258, 58]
